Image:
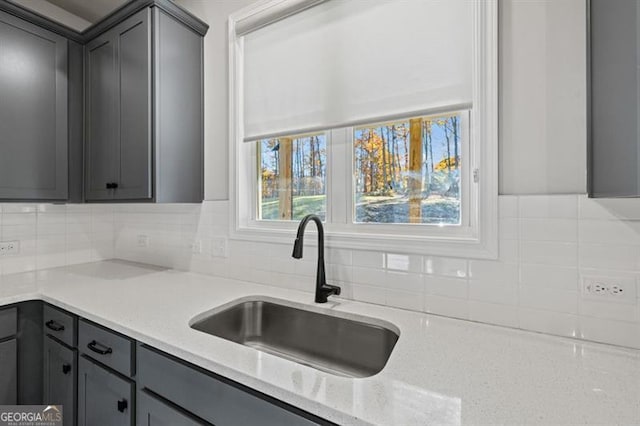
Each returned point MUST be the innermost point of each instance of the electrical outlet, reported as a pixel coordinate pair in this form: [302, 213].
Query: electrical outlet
[196, 247]
[621, 289]
[9, 248]
[143, 241]
[219, 247]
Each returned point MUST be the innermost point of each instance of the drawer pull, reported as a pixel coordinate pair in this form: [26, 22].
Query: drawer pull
[55, 326]
[122, 405]
[98, 348]
[66, 368]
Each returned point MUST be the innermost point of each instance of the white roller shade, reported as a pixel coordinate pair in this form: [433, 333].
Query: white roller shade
[345, 62]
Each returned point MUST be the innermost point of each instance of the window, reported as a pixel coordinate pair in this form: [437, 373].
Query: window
[292, 177]
[387, 146]
[409, 171]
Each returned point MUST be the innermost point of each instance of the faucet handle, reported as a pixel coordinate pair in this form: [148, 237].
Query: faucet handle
[325, 291]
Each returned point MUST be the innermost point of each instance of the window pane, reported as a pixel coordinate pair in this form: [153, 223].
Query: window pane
[292, 177]
[409, 171]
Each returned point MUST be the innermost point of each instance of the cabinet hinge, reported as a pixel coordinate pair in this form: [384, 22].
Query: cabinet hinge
[476, 175]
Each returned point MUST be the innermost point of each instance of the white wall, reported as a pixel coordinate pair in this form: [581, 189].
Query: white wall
[543, 95]
[215, 13]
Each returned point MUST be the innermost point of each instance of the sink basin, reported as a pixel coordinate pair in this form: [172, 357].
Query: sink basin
[334, 344]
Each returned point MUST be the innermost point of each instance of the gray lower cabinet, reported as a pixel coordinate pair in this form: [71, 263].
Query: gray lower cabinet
[8, 372]
[154, 412]
[213, 399]
[104, 398]
[33, 112]
[60, 377]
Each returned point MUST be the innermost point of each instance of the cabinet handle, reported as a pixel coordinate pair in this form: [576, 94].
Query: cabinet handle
[109, 185]
[112, 185]
[98, 348]
[122, 405]
[66, 368]
[53, 325]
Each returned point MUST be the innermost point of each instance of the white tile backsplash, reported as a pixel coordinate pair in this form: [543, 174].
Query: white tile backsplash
[53, 235]
[546, 244]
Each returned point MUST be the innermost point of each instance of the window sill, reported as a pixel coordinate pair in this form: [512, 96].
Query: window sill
[465, 247]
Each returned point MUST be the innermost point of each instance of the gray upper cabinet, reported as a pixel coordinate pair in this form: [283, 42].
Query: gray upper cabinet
[33, 112]
[614, 99]
[118, 144]
[144, 120]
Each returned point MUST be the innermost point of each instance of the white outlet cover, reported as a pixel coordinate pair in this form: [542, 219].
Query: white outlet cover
[196, 247]
[219, 247]
[9, 248]
[143, 240]
[609, 289]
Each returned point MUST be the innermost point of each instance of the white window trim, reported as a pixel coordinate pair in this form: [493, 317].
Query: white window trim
[483, 157]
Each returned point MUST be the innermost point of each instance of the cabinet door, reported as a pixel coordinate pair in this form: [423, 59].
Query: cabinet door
[133, 37]
[33, 112]
[102, 119]
[153, 412]
[60, 370]
[104, 398]
[8, 372]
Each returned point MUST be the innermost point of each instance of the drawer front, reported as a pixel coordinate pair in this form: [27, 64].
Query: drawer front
[207, 397]
[104, 399]
[60, 325]
[154, 412]
[8, 322]
[107, 347]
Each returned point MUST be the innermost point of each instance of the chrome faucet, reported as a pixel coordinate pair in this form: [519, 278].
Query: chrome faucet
[323, 290]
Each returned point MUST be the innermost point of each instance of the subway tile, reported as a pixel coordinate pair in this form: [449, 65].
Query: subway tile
[508, 206]
[368, 259]
[403, 262]
[556, 277]
[562, 230]
[617, 311]
[445, 266]
[620, 333]
[549, 299]
[549, 253]
[560, 324]
[446, 286]
[404, 299]
[493, 291]
[508, 251]
[447, 306]
[609, 232]
[506, 315]
[490, 270]
[609, 256]
[370, 276]
[509, 228]
[405, 281]
[369, 294]
[548, 206]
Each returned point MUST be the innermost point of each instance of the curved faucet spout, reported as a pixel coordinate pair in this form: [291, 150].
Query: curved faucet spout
[323, 290]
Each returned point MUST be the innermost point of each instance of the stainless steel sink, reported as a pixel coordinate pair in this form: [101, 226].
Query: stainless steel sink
[342, 346]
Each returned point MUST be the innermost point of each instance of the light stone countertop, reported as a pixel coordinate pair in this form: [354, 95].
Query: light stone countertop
[441, 372]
